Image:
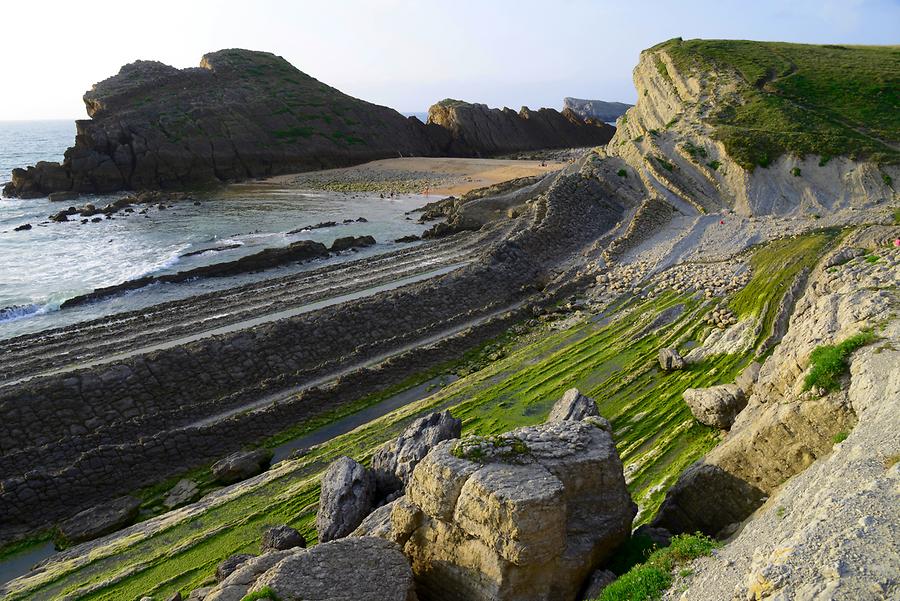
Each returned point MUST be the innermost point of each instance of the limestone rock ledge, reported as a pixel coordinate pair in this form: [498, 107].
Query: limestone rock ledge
[527, 515]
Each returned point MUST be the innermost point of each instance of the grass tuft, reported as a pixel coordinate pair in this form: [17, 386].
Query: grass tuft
[264, 593]
[829, 362]
[649, 580]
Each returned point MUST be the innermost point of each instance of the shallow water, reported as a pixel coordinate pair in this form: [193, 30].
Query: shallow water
[52, 262]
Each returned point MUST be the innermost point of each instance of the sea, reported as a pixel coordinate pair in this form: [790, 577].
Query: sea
[42, 267]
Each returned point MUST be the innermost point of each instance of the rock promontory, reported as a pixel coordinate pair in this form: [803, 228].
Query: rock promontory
[244, 114]
[599, 110]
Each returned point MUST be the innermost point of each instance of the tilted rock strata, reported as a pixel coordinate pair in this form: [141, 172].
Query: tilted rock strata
[783, 430]
[532, 524]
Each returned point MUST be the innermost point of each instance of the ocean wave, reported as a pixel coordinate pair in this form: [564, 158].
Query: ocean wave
[16, 312]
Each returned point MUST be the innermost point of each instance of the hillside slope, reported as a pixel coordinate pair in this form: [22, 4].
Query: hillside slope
[762, 128]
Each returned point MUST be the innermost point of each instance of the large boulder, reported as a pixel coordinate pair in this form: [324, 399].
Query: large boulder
[573, 406]
[393, 462]
[716, 406]
[528, 515]
[348, 492]
[102, 519]
[241, 465]
[351, 569]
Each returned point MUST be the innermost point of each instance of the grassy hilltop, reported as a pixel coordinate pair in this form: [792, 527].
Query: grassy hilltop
[800, 99]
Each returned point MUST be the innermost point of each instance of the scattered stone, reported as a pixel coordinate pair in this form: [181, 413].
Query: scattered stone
[228, 566]
[349, 242]
[281, 538]
[716, 406]
[241, 465]
[670, 360]
[182, 493]
[95, 522]
[573, 406]
[394, 462]
[23, 228]
[348, 492]
[406, 239]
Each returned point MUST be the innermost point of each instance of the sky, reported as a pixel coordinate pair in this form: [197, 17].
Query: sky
[406, 54]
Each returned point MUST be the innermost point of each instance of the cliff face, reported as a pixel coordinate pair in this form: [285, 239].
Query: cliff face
[598, 110]
[726, 125]
[245, 114]
[476, 129]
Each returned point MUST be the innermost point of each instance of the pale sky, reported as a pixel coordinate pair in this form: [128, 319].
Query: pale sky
[406, 54]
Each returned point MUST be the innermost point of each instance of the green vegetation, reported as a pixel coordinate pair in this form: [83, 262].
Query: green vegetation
[622, 173]
[801, 99]
[774, 268]
[292, 133]
[649, 580]
[840, 437]
[829, 362]
[263, 593]
[661, 69]
[897, 216]
[872, 258]
[714, 165]
[481, 448]
[887, 179]
[672, 122]
[795, 171]
[664, 163]
[696, 152]
[890, 461]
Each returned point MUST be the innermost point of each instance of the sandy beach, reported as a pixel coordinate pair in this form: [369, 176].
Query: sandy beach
[441, 176]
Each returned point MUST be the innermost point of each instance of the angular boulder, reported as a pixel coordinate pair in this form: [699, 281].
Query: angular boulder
[350, 569]
[670, 360]
[573, 406]
[228, 566]
[528, 515]
[281, 538]
[348, 492]
[348, 242]
[241, 465]
[95, 522]
[716, 406]
[182, 493]
[393, 462]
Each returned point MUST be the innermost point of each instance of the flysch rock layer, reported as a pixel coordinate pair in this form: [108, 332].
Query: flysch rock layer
[833, 531]
[528, 515]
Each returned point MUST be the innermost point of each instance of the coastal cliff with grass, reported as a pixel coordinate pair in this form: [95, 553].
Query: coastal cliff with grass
[672, 374]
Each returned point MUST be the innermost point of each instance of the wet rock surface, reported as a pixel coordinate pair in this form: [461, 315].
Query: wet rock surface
[102, 519]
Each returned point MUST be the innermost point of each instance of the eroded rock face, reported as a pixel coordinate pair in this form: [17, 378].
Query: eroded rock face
[530, 519]
[393, 462]
[348, 492]
[573, 406]
[716, 406]
[599, 110]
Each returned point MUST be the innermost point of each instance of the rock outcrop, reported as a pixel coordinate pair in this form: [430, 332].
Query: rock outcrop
[716, 406]
[670, 360]
[784, 428]
[351, 569]
[245, 114]
[478, 130]
[598, 110]
[831, 531]
[281, 538]
[348, 493]
[527, 515]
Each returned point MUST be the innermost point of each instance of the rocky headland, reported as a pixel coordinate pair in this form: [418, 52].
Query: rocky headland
[244, 114]
[598, 110]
